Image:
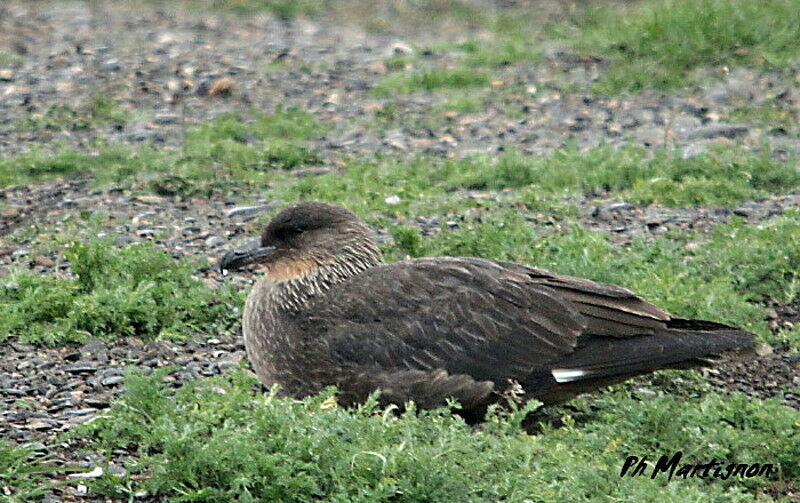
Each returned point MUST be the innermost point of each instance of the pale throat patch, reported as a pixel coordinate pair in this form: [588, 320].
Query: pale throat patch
[286, 269]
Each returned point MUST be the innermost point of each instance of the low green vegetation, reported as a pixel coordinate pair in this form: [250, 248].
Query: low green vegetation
[720, 178]
[462, 104]
[219, 440]
[661, 43]
[717, 178]
[99, 112]
[266, 141]
[509, 42]
[389, 115]
[789, 338]
[393, 115]
[9, 59]
[776, 273]
[218, 156]
[284, 9]
[433, 79]
[112, 163]
[283, 123]
[400, 62]
[506, 51]
[777, 116]
[512, 39]
[230, 155]
[23, 473]
[132, 290]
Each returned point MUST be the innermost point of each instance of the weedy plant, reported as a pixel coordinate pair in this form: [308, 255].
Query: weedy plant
[98, 112]
[718, 178]
[133, 290]
[410, 81]
[662, 42]
[220, 440]
[229, 153]
[23, 473]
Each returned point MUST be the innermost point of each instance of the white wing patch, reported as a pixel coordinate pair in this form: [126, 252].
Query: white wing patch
[567, 375]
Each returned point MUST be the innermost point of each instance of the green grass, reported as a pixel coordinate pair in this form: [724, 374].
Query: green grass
[463, 104]
[232, 151]
[265, 142]
[513, 40]
[400, 62]
[236, 152]
[99, 112]
[777, 116]
[365, 185]
[111, 163]
[23, 473]
[219, 440]
[9, 59]
[717, 178]
[233, 154]
[720, 178]
[133, 290]
[285, 9]
[789, 338]
[430, 80]
[508, 43]
[504, 52]
[388, 115]
[661, 43]
[393, 115]
[403, 18]
[287, 124]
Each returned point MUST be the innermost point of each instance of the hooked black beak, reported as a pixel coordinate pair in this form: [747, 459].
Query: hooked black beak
[236, 259]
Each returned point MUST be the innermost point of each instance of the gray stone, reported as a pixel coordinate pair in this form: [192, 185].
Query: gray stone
[112, 381]
[213, 241]
[81, 368]
[716, 131]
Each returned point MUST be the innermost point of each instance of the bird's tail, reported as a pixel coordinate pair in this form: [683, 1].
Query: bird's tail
[685, 343]
[602, 361]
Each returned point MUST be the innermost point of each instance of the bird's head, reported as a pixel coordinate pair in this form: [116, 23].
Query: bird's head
[306, 238]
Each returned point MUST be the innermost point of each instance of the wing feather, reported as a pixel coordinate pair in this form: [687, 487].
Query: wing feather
[479, 324]
[487, 319]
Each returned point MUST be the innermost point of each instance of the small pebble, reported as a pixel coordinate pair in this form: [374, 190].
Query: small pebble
[93, 474]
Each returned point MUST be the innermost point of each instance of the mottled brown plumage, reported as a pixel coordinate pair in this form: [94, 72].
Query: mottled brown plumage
[328, 311]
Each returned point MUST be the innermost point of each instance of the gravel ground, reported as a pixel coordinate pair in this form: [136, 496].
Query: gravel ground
[163, 66]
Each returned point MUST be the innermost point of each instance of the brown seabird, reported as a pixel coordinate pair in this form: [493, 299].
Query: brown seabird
[329, 311]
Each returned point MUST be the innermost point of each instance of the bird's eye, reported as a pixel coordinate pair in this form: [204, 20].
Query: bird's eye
[288, 232]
